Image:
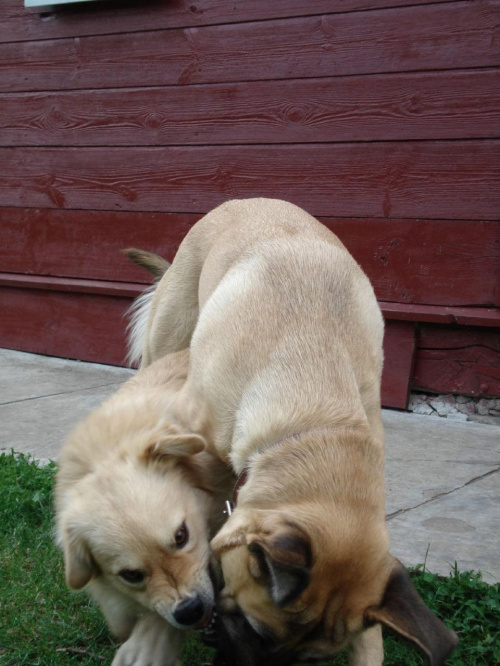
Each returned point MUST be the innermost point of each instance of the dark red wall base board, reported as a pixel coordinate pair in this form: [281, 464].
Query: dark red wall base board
[91, 327]
[458, 360]
[399, 355]
[87, 327]
[73, 323]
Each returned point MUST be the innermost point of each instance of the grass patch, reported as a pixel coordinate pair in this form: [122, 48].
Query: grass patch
[43, 624]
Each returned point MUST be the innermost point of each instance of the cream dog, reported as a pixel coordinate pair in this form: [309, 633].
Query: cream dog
[285, 340]
[136, 495]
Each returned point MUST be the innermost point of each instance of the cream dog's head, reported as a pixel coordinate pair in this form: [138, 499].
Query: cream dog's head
[137, 517]
[302, 582]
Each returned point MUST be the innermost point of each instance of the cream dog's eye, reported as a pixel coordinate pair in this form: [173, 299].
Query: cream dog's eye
[132, 575]
[181, 536]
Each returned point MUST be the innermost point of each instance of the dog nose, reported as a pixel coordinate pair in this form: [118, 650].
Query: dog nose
[190, 611]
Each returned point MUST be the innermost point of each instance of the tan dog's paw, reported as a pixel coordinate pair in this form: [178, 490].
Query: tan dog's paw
[153, 642]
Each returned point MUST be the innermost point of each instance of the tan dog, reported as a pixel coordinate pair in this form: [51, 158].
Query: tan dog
[285, 339]
[136, 495]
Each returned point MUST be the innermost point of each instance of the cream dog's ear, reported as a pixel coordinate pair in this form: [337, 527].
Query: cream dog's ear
[175, 445]
[79, 565]
[403, 610]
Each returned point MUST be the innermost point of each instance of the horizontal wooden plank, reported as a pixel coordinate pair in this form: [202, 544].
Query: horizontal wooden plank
[442, 263]
[433, 37]
[75, 286]
[393, 312]
[438, 105]
[455, 337]
[451, 263]
[442, 314]
[399, 355]
[443, 367]
[452, 180]
[82, 326]
[19, 24]
[86, 244]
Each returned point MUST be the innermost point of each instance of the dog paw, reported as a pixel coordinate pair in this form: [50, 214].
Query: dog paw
[153, 642]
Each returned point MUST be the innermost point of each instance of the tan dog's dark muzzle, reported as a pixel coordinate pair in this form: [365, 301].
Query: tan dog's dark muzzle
[237, 643]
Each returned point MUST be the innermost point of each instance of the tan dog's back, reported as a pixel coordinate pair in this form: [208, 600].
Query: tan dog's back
[316, 371]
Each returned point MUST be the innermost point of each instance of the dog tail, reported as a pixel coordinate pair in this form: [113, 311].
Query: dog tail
[138, 313]
[153, 263]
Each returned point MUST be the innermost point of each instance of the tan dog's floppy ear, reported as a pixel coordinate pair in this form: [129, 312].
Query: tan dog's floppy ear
[403, 610]
[285, 558]
[176, 446]
[79, 565]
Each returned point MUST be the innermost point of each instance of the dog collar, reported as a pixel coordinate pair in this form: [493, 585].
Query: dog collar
[240, 481]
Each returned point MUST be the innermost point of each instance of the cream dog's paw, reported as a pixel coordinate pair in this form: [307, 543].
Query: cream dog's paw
[153, 642]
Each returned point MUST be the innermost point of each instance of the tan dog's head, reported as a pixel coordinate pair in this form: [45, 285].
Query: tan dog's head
[137, 520]
[301, 583]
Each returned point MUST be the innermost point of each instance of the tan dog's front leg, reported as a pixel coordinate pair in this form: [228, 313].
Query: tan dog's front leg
[367, 649]
[153, 642]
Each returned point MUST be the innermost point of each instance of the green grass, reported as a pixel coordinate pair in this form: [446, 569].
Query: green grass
[43, 624]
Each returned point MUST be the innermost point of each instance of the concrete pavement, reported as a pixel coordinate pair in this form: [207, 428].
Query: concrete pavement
[443, 476]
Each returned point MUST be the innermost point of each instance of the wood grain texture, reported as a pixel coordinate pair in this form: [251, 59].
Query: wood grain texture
[439, 105]
[86, 244]
[432, 37]
[450, 180]
[452, 263]
[458, 361]
[19, 24]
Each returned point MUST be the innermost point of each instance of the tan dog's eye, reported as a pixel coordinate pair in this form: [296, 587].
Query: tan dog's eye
[132, 576]
[181, 536]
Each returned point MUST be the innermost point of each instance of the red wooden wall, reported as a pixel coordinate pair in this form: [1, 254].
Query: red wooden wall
[121, 123]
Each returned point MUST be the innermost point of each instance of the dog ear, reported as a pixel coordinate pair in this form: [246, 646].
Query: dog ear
[284, 557]
[79, 565]
[176, 446]
[403, 610]
[233, 532]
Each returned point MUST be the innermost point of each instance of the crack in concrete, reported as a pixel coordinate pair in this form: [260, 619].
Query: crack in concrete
[399, 512]
[51, 395]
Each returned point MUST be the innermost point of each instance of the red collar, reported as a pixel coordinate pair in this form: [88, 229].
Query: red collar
[240, 481]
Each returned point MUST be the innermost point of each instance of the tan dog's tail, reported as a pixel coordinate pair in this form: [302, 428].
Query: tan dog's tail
[153, 263]
[138, 313]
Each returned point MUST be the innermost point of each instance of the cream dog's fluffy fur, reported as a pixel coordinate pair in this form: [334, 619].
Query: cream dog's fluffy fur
[136, 495]
[285, 340]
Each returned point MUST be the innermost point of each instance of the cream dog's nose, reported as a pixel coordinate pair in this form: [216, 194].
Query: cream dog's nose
[190, 611]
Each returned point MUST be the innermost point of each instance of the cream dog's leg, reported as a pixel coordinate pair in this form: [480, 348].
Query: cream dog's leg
[367, 649]
[153, 642]
[121, 612]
